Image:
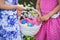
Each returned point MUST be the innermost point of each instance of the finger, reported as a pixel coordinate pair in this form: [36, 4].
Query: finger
[19, 13]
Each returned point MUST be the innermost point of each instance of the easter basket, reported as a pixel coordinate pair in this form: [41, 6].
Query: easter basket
[29, 31]
[28, 22]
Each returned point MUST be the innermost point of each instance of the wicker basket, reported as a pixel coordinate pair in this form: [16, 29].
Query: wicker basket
[29, 31]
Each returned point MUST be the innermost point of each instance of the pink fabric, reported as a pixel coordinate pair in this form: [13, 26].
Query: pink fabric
[50, 29]
[47, 5]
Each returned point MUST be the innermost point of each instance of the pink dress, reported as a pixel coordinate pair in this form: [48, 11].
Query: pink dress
[50, 29]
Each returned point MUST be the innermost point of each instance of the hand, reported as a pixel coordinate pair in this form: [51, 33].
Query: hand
[39, 19]
[19, 13]
[20, 7]
[45, 18]
[39, 16]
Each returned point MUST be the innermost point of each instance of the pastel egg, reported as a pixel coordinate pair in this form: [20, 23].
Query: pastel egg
[23, 21]
[30, 24]
[25, 24]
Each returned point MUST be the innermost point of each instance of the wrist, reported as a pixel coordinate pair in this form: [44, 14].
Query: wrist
[13, 7]
[16, 7]
[49, 15]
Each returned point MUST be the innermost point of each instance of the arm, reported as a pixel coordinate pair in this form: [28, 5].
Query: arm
[38, 7]
[5, 6]
[12, 7]
[47, 16]
[55, 10]
[39, 12]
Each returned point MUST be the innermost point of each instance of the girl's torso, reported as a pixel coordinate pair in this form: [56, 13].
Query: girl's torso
[47, 5]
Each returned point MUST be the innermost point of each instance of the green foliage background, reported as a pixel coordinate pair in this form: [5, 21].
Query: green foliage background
[26, 2]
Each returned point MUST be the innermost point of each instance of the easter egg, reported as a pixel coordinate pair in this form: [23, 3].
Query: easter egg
[23, 21]
[30, 24]
[25, 24]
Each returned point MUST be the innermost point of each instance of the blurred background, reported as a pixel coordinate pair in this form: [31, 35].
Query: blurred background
[28, 2]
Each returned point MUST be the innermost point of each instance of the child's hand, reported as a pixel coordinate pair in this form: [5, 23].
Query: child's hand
[20, 7]
[39, 19]
[45, 18]
[19, 13]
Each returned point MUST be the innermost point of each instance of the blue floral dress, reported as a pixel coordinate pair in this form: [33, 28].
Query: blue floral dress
[9, 25]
